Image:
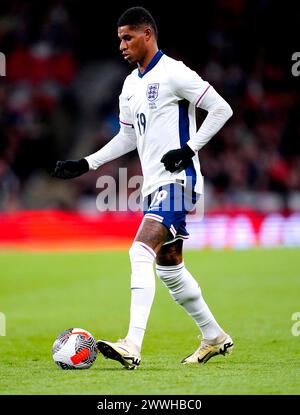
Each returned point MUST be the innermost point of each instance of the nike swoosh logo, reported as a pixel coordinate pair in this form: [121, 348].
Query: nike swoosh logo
[178, 164]
[129, 98]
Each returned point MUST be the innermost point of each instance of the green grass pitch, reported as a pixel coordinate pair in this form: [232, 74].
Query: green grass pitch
[252, 293]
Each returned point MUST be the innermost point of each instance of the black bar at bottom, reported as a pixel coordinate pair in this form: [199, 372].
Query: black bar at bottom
[130, 404]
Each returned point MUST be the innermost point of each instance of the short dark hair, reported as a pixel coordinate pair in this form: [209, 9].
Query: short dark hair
[137, 16]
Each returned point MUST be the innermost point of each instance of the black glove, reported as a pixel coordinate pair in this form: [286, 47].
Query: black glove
[178, 159]
[70, 168]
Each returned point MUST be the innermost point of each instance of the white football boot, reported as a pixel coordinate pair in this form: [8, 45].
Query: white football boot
[124, 351]
[209, 348]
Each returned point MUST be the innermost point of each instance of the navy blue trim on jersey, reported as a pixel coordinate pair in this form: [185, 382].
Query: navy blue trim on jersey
[151, 64]
[184, 136]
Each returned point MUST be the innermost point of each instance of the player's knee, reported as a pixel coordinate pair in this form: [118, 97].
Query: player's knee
[170, 254]
[169, 258]
[140, 252]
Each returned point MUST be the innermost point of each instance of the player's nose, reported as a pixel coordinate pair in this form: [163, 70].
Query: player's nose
[123, 46]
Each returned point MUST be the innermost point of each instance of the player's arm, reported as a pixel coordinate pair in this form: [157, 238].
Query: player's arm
[188, 86]
[122, 143]
[218, 112]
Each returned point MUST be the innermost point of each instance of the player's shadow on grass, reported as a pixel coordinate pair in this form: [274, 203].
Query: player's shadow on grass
[122, 369]
[144, 369]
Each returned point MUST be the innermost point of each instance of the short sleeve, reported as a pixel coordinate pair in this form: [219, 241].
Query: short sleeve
[187, 84]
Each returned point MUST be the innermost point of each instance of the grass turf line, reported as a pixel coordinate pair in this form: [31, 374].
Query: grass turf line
[252, 293]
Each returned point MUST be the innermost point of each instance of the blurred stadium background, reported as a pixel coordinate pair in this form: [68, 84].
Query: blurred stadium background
[59, 100]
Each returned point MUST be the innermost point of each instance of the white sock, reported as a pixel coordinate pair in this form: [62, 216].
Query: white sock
[142, 290]
[185, 291]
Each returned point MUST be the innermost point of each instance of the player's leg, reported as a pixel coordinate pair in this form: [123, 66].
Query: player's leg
[185, 291]
[148, 241]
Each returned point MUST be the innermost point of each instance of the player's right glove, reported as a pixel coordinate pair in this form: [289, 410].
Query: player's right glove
[179, 159]
[70, 169]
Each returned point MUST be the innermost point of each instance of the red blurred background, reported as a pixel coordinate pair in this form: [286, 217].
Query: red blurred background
[59, 100]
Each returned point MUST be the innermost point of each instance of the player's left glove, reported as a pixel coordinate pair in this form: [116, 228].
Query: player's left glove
[178, 159]
[69, 169]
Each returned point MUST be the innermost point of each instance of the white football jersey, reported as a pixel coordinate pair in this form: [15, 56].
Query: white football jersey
[160, 105]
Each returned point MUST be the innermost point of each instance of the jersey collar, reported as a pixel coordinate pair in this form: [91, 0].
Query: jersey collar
[151, 64]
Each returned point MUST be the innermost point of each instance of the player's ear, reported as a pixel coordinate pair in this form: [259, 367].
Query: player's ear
[148, 33]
